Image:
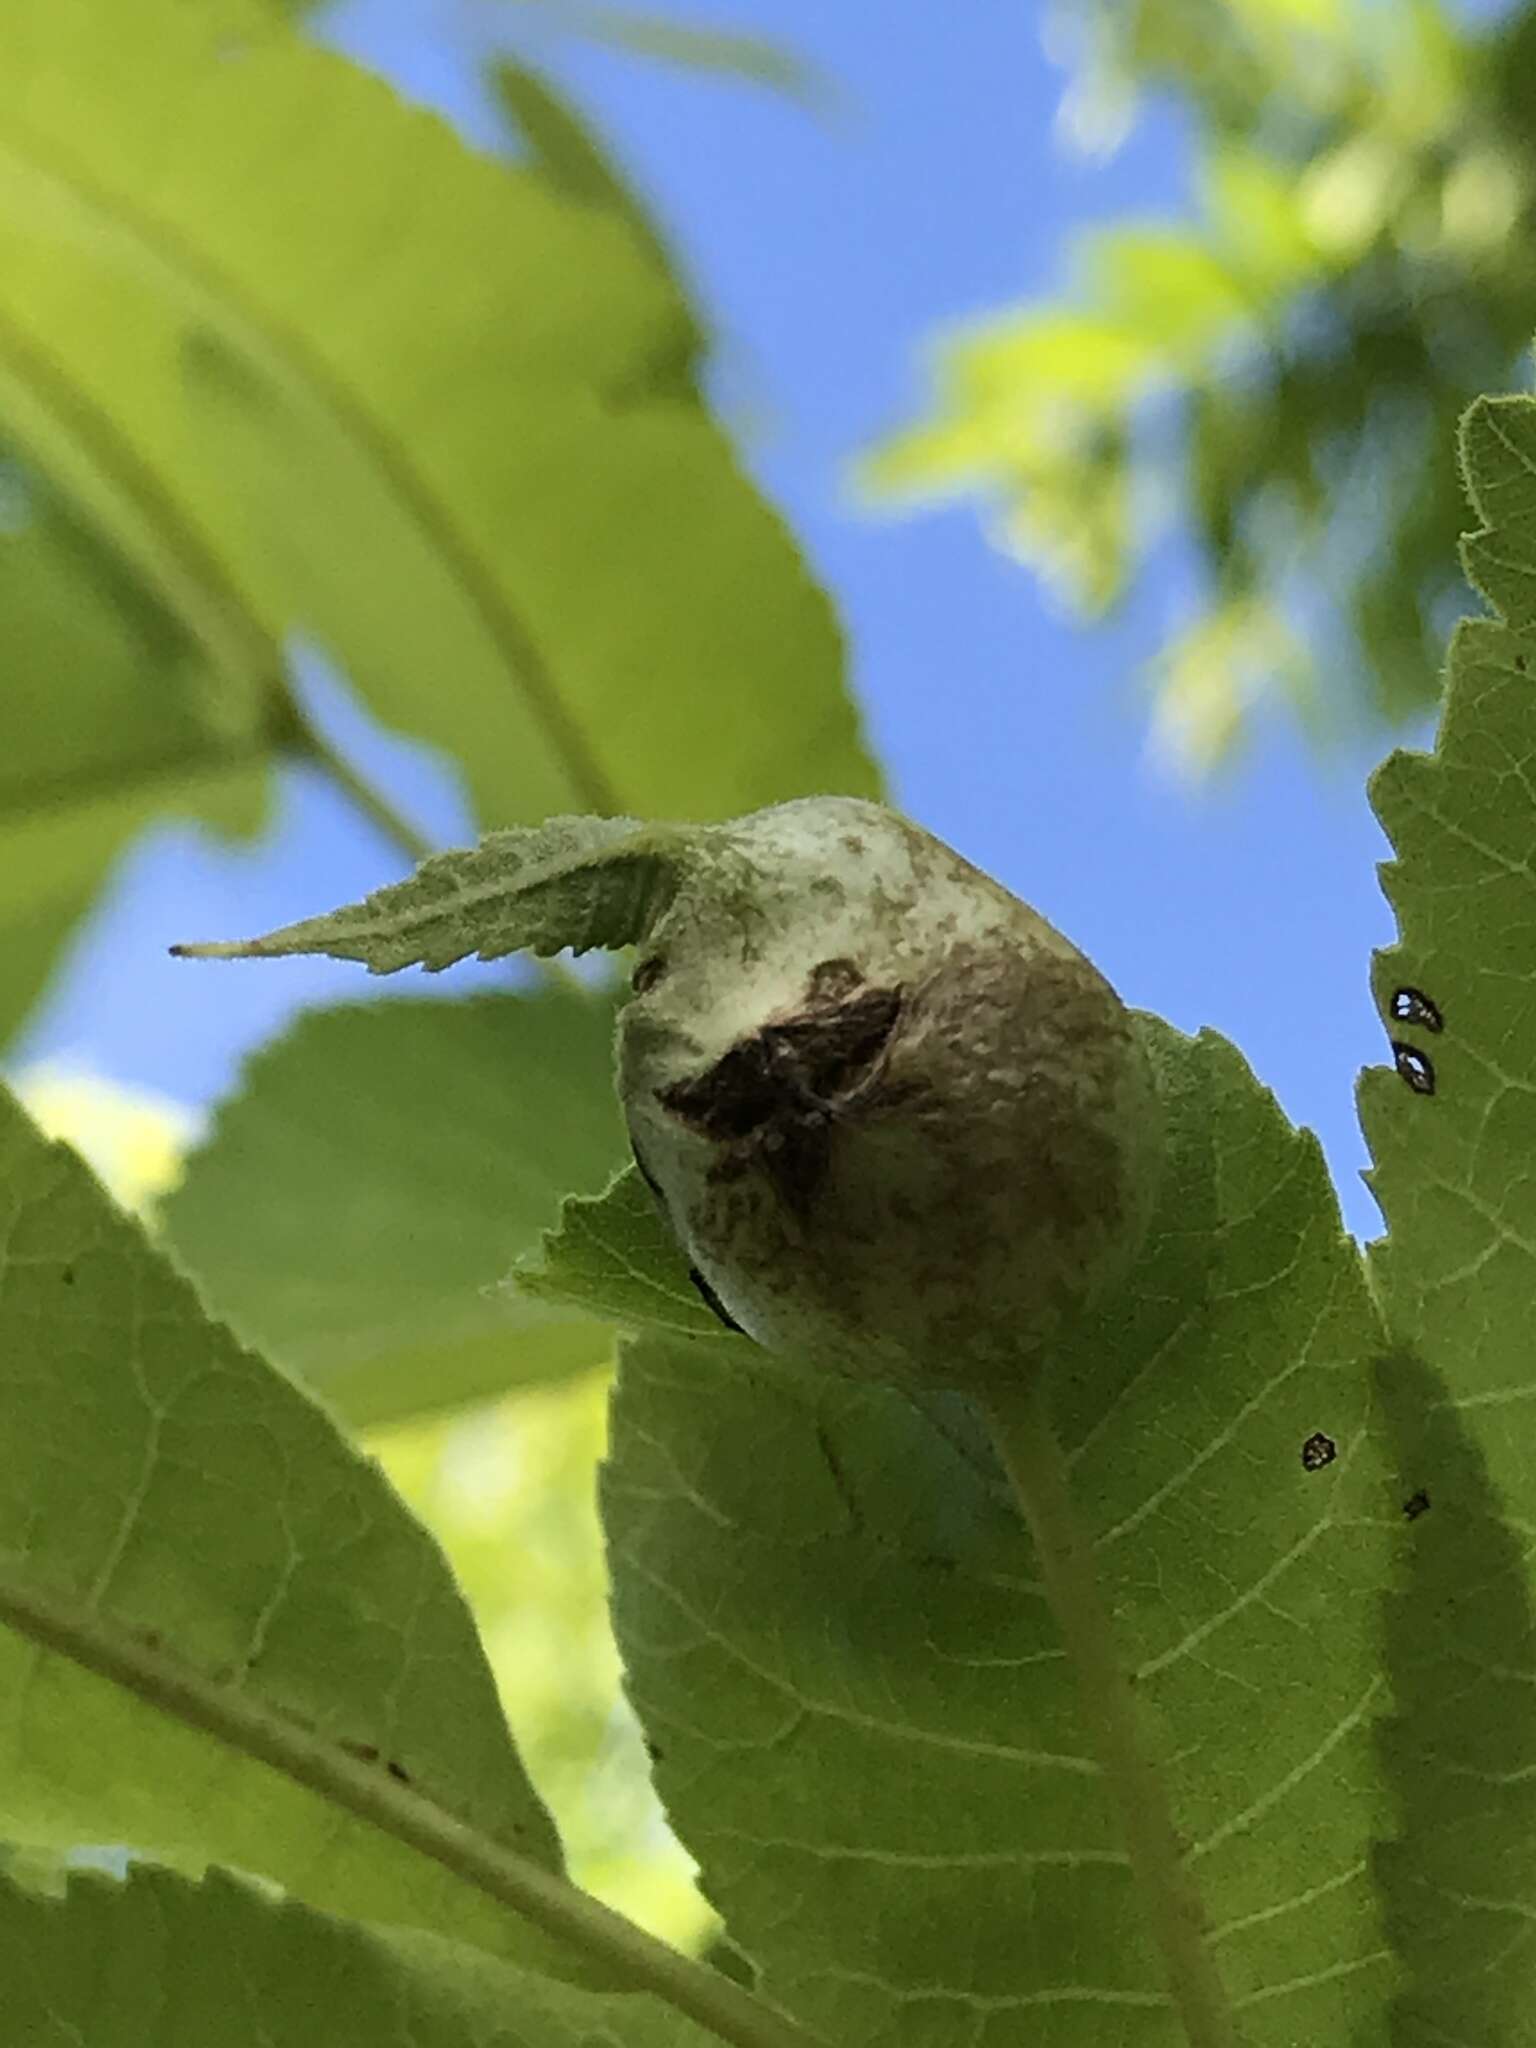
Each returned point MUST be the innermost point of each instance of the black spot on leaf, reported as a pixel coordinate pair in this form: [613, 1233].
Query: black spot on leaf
[1416, 1504]
[1318, 1450]
[1414, 1066]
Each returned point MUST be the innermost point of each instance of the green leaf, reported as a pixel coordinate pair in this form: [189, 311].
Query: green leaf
[614, 1257]
[569, 155]
[1167, 286]
[157, 1959]
[109, 716]
[571, 882]
[467, 459]
[864, 1724]
[405, 1153]
[1452, 1133]
[753, 59]
[221, 1635]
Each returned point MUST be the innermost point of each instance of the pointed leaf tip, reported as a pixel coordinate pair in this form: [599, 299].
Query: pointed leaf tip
[215, 949]
[571, 883]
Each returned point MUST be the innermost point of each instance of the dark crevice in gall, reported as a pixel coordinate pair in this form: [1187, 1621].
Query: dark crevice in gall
[645, 1172]
[774, 1097]
[712, 1301]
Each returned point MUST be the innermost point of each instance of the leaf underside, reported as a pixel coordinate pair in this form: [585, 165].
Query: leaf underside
[864, 1726]
[1452, 1131]
[612, 1255]
[158, 1959]
[471, 460]
[468, 457]
[206, 1593]
[406, 1153]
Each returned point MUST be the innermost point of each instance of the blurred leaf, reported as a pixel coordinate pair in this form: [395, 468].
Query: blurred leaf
[466, 456]
[568, 154]
[133, 1139]
[405, 1153]
[1035, 416]
[508, 1490]
[1359, 267]
[1209, 678]
[863, 1719]
[221, 1636]
[155, 1958]
[1256, 219]
[107, 719]
[1452, 1135]
[1166, 286]
[570, 882]
[753, 59]
[614, 1257]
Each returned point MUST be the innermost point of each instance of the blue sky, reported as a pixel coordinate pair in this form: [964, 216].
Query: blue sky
[827, 252]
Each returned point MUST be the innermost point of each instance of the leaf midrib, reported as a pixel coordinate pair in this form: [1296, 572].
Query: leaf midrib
[587, 1929]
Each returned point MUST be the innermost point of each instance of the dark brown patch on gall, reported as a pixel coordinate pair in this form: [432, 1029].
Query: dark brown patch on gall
[832, 981]
[772, 1100]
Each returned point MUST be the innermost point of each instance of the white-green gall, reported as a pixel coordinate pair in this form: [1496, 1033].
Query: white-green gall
[900, 1125]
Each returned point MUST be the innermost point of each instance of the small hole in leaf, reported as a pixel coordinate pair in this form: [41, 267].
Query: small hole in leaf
[1412, 1006]
[1318, 1450]
[1414, 1067]
[1416, 1504]
[1520, 663]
